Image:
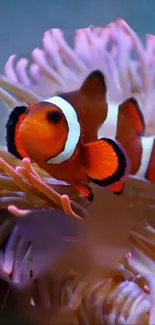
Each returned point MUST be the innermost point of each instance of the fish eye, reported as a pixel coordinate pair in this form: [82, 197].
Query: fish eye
[54, 117]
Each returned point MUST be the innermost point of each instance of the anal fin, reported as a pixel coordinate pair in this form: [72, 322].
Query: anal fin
[118, 187]
[105, 162]
[84, 190]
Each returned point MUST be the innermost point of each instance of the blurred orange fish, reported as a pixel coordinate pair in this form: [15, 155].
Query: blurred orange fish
[61, 135]
[126, 124]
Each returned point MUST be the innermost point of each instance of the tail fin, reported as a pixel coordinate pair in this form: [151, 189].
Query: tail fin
[13, 140]
[130, 128]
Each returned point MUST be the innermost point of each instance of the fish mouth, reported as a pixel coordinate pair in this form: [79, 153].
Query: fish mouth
[27, 126]
[28, 130]
[32, 130]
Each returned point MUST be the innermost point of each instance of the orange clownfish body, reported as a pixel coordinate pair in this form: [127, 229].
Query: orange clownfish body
[127, 125]
[61, 135]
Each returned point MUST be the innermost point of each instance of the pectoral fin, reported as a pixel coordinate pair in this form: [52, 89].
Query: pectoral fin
[105, 162]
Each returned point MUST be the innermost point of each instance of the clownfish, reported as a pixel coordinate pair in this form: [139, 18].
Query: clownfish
[129, 128]
[61, 135]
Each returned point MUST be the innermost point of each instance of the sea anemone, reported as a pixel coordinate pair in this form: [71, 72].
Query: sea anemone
[29, 187]
[61, 294]
[116, 50]
[127, 297]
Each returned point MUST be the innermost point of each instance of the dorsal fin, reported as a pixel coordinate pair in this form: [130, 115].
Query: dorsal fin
[90, 104]
[13, 140]
[94, 84]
